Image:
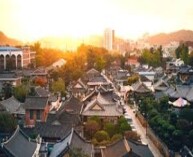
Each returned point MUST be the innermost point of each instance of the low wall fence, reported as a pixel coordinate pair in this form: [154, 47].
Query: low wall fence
[152, 136]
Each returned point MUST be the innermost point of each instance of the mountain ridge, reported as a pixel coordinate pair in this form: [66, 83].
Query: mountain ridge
[165, 38]
[5, 40]
[67, 42]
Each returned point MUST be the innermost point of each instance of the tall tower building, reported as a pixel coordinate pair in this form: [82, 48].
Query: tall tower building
[109, 36]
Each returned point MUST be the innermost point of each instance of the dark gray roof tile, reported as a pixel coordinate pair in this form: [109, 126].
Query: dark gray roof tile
[117, 149]
[140, 149]
[19, 145]
[35, 102]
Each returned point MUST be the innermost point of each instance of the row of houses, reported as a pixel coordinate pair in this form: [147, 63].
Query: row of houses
[58, 126]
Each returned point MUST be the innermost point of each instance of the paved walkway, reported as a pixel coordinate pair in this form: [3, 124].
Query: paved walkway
[140, 129]
[142, 132]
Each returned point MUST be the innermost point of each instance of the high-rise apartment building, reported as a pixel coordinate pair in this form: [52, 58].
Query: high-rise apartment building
[109, 36]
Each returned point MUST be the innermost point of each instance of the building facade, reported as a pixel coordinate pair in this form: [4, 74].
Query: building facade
[109, 37]
[15, 58]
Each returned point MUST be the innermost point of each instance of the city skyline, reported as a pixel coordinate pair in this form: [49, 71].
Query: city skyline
[31, 20]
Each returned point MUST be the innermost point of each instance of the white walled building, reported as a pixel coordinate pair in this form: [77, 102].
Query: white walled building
[14, 58]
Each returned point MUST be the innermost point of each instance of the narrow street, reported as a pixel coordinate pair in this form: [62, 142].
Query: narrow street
[142, 132]
[140, 129]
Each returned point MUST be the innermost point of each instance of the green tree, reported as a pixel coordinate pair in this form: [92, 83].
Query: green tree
[58, 86]
[77, 152]
[182, 52]
[132, 79]
[123, 125]
[191, 59]
[101, 136]
[186, 113]
[191, 135]
[91, 127]
[7, 122]
[110, 128]
[132, 135]
[100, 63]
[116, 137]
[152, 57]
[20, 92]
[183, 124]
[7, 90]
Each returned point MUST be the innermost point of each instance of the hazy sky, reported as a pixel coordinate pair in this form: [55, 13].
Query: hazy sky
[31, 19]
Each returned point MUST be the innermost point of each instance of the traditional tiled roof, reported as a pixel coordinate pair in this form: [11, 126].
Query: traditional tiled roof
[101, 88]
[26, 72]
[79, 84]
[11, 104]
[12, 76]
[110, 95]
[58, 63]
[93, 71]
[143, 78]
[161, 85]
[122, 75]
[97, 80]
[41, 92]
[140, 87]
[39, 71]
[35, 102]
[186, 69]
[117, 149]
[73, 105]
[19, 145]
[184, 91]
[72, 141]
[140, 149]
[101, 107]
[57, 125]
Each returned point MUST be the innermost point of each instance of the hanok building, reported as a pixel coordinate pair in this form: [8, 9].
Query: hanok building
[123, 148]
[104, 109]
[40, 72]
[139, 90]
[121, 77]
[59, 123]
[173, 66]
[20, 145]
[79, 89]
[181, 91]
[9, 78]
[36, 109]
[132, 61]
[117, 149]
[15, 58]
[53, 99]
[93, 79]
[72, 142]
[160, 87]
[13, 106]
[185, 75]
[140, 150]
[109, 95]
[93, 73]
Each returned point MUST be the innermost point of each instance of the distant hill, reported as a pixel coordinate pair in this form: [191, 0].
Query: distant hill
[69, 43]
[4, 40]
[163, 38]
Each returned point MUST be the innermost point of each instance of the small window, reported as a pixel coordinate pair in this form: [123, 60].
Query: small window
[31, 114]
[38, 115]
